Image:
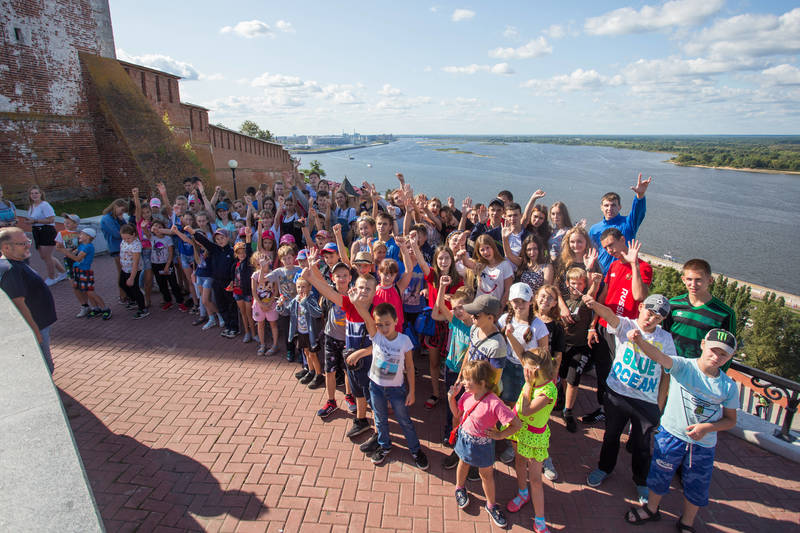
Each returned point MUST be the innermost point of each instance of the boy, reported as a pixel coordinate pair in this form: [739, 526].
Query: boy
[702, 401]
[68, 239]
[83, 276]
[130, 260]
[220, 263]
[459, 324]
[356, 337]
[697, 312]
[392, 354]
[305, 321]
[632, 389]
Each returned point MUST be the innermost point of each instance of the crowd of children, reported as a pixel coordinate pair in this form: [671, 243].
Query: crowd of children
[511, 307]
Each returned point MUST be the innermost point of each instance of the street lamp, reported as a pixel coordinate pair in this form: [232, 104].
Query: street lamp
[234, 164]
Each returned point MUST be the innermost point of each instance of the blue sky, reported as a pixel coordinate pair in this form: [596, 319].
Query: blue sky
[516, 67]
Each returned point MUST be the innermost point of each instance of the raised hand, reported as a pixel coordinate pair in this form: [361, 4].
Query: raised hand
[466, 205]
[337, 229]
[641, 186]
[135, 192]
[506, 232]
[444, 282]
[589, 258]
[632, 255]
[400, 178]
[509, 331]
[162, 189]
[590, 302]
[538, 194]
[483, 214]
[634, 335]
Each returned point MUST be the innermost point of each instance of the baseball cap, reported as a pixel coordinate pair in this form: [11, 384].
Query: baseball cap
[221, 231]
[520, 290]
[267, 234]
[72, 216]
[302, 254]
[657, 303]
[720, 338]
[242, 232]
[323, 233]
[288, 239]
[339, 265]
[485, 303]
[222, 205]
[364, 258]
[90, 232]
[155, 202]
[497, 202]
[330, 247]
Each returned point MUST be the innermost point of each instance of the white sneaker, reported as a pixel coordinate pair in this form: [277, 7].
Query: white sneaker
[61, 277]
[50, 282]
[549, 469]
[246, 338]
[210, 324]
[83, 312]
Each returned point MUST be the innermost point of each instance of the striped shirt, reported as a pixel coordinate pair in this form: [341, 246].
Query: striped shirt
[689, 324]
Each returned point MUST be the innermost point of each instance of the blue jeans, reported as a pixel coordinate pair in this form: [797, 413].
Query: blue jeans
[381, 397]
[45, 346]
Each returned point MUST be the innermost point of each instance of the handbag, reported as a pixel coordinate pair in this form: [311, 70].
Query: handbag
[454, 432]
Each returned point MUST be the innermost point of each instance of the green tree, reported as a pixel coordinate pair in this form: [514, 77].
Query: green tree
[667, 281]
[772, 341]
[735, 296]
[314, 166]
[250, 128]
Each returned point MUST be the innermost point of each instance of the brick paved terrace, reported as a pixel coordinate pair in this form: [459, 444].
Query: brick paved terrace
[183, 430]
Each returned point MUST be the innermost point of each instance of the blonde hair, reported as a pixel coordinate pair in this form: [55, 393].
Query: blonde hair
[542, 360]
[285, 250]
[566, 258]
[577, 273]
[480, 371]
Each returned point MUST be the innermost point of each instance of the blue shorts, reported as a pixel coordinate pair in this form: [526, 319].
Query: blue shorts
[187, 261]
[147, 253]
[205, 283]
[475, 451]
[513, 379]
[242, 298]
[669, 452]
[359, 376]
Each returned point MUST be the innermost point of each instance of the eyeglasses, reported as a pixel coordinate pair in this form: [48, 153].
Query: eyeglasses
[26, 242]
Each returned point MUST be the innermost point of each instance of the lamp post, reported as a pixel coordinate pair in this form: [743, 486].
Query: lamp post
[233, 164]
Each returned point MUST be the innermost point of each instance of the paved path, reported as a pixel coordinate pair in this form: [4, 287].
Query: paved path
[182, 430]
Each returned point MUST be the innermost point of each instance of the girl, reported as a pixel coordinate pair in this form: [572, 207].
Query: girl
[559, 218]
[144, 218]
[546, 310]
[538, 222]
[161, 264]
[130, 253]
[343, 213]
[42, 219]
[578, 252]
[110, 224]
[241, 286]
[265, 296]
[202, 275]
[535, 269]
[492, 273]
[532, 441]
[224, 220]
[366, 232]
[379, 251]
[185, 252]
[443, 265]
[475, 416]
[8, 211]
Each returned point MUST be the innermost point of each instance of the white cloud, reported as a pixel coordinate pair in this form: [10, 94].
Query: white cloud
[433, 9]
[389, 104]
[534, 48]
[428, 68]
[510, 32]
[782, 75]
[749, 35]
[499, 68]
[556, 31]
[162, 62]
[577, 80]
[515, 110]
[389, 91]
[674, 69]
[249, 29]
[212, 77]
[462, 14]
[276, 80]
[284, 26]
[675, 13]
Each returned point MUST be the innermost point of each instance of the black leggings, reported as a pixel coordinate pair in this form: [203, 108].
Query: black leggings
[602, 357]
[133, 293]
[167, 282]
[226, 305]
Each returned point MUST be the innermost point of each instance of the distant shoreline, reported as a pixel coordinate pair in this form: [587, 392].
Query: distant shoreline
[757, 170]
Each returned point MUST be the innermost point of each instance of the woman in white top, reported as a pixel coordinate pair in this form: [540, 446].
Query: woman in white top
[42, 219]
[489, 272]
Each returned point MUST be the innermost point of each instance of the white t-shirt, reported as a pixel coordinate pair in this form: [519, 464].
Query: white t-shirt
[492, 279]
[43, 210]
[633, 374]
[515, 242]
[126, 252]
[160, 247]
[389, 359]
[538, 328]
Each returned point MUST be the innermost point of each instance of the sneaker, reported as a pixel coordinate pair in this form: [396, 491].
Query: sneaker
[644, 494]
[308, 377]
[549, 469]
[569, 420]
[210, 324]
[143, 313]
[194, 310]
[462, 498]
[106, 313]
[199, 320]
[497, 515]
[421, 460]
[300, 374]
[94, 313]
[596, 477]
[508, 455]
[328, 410]
[473, 474]
[317, 382]
[595, 416]
[450, 462]
[83, 312]
[351, 403]
[130, 306]
[290, 356]
[232, 333]
[50, 282]
[166, 306]
[182, 308]
[379, 456]
[224, 332]
[262, 350]
[61, 277]
[247, 338]
[361, 425]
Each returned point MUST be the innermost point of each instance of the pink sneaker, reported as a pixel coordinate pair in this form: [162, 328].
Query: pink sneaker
[537, 529]
[517, 503]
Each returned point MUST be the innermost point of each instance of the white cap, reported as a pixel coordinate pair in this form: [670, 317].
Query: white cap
[90, 232]
[520, 290]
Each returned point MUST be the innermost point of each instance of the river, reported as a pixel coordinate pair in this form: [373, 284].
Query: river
[745, 224]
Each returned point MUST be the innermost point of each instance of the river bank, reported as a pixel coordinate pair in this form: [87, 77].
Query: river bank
[757, 170]
[338, 148]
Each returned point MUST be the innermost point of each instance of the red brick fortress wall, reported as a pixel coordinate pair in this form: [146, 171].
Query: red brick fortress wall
[259, 161]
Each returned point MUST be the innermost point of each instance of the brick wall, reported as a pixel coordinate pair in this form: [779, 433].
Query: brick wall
[259, 161]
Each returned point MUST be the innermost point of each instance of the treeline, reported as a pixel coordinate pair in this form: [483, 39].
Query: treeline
[767, 152]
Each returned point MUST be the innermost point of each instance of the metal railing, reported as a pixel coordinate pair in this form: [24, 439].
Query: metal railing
[782, 395]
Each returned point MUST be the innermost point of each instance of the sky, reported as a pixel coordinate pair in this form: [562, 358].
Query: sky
[514, 67]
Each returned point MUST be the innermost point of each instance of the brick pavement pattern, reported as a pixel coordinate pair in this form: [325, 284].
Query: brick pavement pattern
[183, 430]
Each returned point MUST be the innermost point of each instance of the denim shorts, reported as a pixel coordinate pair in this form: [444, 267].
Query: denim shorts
[513, 379]
[242, 298]
[147, 253]
[475, 451]
[359, 375]
[670, 452]
[187, 261]
[205, 283]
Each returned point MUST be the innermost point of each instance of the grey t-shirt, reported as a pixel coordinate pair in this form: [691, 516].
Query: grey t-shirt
[335, 324]
[492, 348]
